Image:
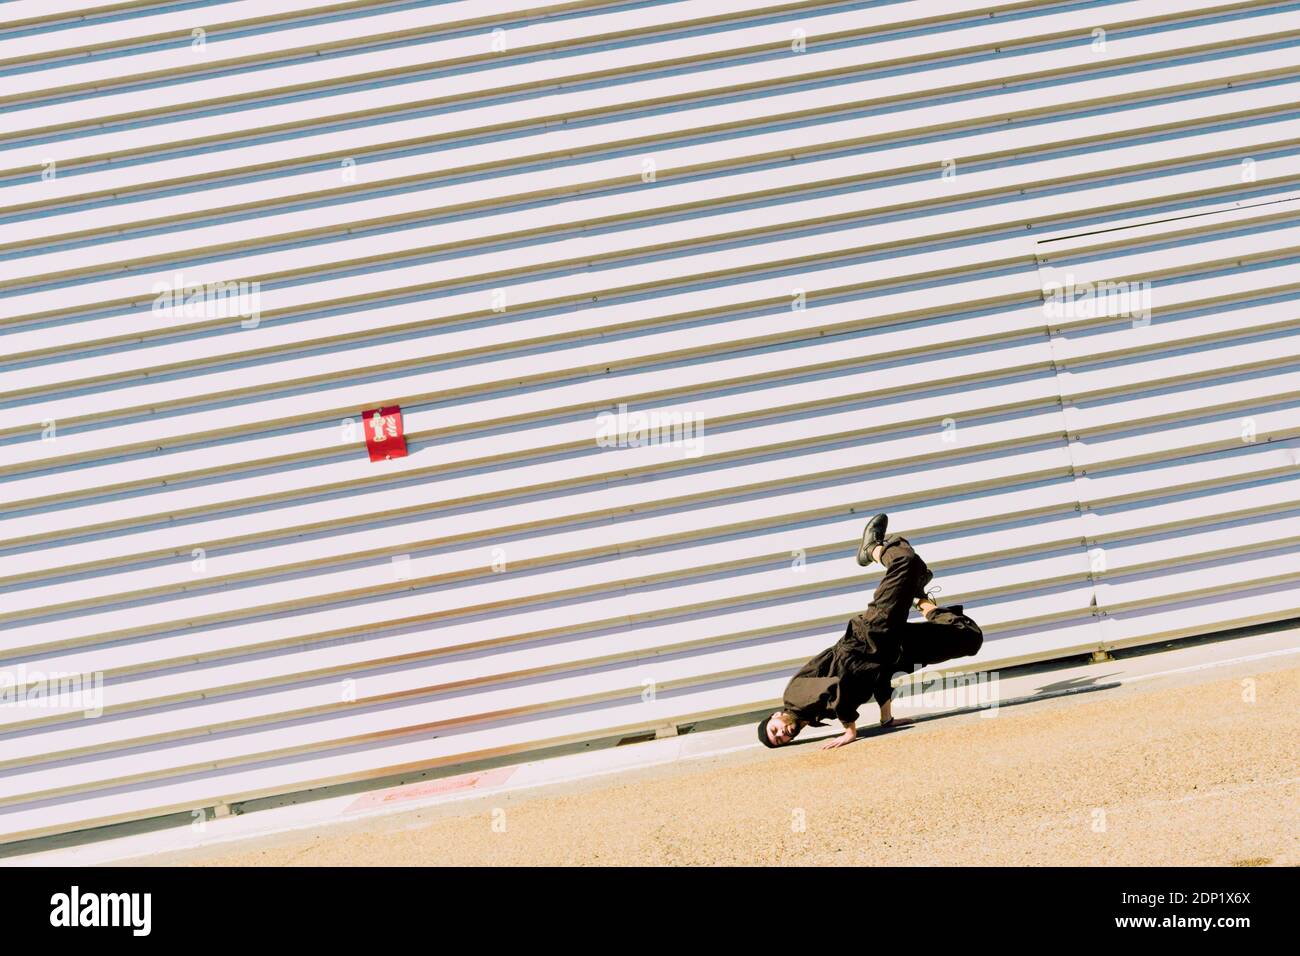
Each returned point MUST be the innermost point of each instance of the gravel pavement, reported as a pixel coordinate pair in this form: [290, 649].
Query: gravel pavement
[1150, 775]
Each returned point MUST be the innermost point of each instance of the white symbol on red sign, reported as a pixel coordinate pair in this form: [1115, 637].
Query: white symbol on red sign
[385, 437]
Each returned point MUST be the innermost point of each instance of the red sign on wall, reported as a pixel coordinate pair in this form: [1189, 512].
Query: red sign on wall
[385, 433]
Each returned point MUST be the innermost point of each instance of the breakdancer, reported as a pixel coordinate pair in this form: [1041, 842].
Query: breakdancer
[877, 644]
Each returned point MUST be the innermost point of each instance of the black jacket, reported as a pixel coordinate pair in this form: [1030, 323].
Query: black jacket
[839, 680]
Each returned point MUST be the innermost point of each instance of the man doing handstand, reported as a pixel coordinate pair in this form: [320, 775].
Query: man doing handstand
[877, 644]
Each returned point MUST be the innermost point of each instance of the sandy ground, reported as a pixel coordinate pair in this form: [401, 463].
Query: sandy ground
[1146, 775]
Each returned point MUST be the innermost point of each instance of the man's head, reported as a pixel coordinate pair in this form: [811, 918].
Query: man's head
[779, 729]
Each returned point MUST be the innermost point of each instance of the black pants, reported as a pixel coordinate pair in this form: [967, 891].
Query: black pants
[883, 626]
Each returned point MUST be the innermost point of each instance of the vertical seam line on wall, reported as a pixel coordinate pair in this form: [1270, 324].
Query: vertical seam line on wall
[1086, 518]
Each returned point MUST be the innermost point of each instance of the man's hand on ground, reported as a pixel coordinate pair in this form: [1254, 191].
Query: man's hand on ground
[850, 734]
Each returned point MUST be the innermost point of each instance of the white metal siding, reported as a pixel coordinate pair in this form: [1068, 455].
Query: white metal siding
[824, 228]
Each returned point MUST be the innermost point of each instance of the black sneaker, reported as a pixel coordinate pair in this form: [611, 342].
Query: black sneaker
[872, 535]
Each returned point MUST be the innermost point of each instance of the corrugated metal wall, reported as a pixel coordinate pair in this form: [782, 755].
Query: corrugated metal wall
[818, 234]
